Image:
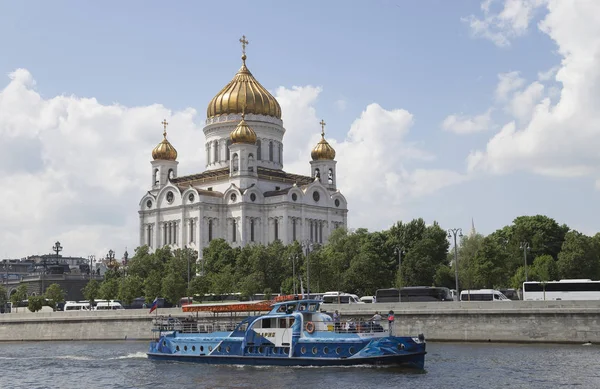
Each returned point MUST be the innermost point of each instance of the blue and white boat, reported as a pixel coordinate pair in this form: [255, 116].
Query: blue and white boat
[293, 333]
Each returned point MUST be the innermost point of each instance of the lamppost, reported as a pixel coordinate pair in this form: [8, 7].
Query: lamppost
[7, 267]
[454, 232]
[57, 248]
[526, 248]
[400, 251]
[92, 259]
[308, 247]
[187, 256]
[110, 259]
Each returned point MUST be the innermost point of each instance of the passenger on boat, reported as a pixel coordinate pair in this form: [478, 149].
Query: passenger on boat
[376, 319]
[336, 321]
[391, 322]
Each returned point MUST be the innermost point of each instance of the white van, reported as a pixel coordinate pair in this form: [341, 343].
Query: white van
[482, 295]
[341, 298]
[108, 306]
[368, 299]
[75, 306]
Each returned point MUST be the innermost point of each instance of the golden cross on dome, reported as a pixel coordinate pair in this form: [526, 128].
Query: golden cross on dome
[244, 42]
[165, 124]
[322, 123]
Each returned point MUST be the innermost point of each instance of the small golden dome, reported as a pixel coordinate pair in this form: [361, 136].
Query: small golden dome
[164, 150]
[242, 91]
[323, 150]
[243, 133]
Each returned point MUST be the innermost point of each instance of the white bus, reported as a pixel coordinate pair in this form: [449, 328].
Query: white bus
[482, 295]
[340, 298]
[76, 306]
[575, 289]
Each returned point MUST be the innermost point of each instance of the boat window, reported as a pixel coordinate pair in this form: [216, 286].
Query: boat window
[266, 323]
[281, 308]
[291, 308]
[314, 350]
[303, 350]
[302, 307]
[312, 307]
[325, 350]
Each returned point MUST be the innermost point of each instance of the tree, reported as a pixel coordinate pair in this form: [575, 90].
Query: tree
[35, 303]
[130, 288]
[173, 288]
[109, 289]
[54, 295]
[543, 269]
[91, 291]
[579, 257]
[19, 295]
[488, 269]
[153, 285]
[3, 297]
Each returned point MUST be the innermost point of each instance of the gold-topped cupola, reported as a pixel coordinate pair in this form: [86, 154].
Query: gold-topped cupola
[323, 150]
[243, 133]
[164, 150]
[243, 91]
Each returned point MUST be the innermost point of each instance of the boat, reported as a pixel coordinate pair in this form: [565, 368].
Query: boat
[288, 332]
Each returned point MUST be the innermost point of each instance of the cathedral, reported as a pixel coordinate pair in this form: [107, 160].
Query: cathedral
[243, 196]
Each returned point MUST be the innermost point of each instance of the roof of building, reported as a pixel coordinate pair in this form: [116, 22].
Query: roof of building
[223, 174]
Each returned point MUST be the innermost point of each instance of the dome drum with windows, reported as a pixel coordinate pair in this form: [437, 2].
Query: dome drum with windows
[164, 150]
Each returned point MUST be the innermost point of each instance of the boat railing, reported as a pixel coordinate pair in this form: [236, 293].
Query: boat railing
[191, 325]
[357, 326]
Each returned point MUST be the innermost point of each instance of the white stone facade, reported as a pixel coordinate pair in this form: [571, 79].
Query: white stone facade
[244, 196]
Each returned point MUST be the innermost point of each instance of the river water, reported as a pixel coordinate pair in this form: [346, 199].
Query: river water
[448, 365]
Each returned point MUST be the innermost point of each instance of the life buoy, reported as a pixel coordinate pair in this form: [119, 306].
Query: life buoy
[310, 327]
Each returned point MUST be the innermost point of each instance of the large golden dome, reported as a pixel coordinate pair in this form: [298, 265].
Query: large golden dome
[242, 91]
[323, 150]
[243, 133]
[164, 150]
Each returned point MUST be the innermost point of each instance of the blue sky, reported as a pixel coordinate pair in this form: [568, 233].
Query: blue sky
[424, 57]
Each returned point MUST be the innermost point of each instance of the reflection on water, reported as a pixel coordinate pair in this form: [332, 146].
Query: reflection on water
[448, 365]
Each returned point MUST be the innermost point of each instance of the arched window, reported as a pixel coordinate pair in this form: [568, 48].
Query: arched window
[258, 151]
[250, 162]
[227, 150]
[171, 174]
[318, 174]
[210, 230]
[294, 228]
[236, 162]
[208, 153]
[251, 230]
[271, 151]
[215, 151]
[276, 228]
[330, 177]
[155, 177]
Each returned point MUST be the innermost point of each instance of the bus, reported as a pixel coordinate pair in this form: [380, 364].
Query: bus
[574, 289]
[413, 294]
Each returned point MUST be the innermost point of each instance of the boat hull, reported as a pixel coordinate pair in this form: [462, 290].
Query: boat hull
[412, 360]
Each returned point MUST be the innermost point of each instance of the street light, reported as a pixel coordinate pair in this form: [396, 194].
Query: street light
[526, 248]
[92, 259]
[400, 251]
[57, 248]
[453, 232]
[110, 259]
[308, 247]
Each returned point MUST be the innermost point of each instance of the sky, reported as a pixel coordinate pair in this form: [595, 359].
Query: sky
[451, 111]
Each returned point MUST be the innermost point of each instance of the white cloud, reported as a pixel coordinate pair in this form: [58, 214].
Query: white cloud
[508, 83]
[371, 159]
[341, 104]
[510, 22]
[548, 74]
[523, 102]
[559, 139]
[74, 169]
[462, 124]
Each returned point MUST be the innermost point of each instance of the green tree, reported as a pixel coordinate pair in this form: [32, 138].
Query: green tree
[109, 289]
[543, 269]
[35, 303]
[54, 295]
[3, 296]
[153, 285]
[19, 295]
[444, 276]
[131, 287]
[173, 288]
[199, 287]
[579, 257]
[91, 291]
[488, 269]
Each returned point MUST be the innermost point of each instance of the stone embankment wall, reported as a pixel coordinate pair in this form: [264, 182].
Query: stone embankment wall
[518, 321]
